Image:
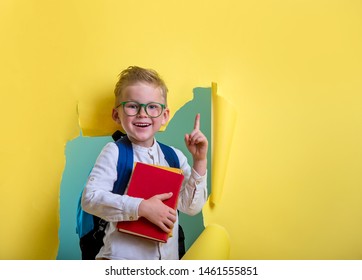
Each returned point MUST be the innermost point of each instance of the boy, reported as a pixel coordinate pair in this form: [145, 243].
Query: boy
[141, 109]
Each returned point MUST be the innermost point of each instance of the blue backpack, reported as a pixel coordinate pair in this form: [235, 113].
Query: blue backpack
[90, 228]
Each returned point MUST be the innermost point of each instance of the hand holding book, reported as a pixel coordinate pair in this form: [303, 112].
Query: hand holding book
[158, 213]
[159, 186]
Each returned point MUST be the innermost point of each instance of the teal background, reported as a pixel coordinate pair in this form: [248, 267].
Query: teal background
[82, 152]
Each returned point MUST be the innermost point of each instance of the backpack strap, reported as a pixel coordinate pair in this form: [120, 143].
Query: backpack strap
[124, 164]
[170, 155]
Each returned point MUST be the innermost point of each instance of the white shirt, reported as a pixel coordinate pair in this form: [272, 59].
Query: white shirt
[99, 200]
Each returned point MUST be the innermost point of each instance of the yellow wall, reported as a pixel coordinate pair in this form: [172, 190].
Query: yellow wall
[291, 70]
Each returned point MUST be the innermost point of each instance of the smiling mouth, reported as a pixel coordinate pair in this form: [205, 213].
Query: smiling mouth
[142, 125]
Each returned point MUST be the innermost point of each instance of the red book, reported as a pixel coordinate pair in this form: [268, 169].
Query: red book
[146, 181]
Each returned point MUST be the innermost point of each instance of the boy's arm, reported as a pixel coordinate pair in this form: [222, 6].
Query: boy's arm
[98, 198]
[193, 194]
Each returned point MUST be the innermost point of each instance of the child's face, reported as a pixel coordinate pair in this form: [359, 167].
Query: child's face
[141, 128]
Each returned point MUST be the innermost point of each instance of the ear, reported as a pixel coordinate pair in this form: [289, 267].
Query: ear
[116, 116]
[165, 116]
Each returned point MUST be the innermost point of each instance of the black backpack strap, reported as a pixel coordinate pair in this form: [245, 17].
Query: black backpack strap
[118, 135]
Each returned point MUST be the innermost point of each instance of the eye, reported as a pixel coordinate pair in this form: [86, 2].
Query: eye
[132, 105]
[153, 106]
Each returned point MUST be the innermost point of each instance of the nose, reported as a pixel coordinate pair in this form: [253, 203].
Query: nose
[142, 111]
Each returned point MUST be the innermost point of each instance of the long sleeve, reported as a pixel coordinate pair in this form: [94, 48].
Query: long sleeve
[98, 198]
[193, 194]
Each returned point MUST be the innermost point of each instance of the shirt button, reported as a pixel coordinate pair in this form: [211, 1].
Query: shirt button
[131, 218]
[198, 182]
[91, 179]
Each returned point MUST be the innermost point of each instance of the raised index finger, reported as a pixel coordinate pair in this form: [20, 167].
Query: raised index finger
[197, 122]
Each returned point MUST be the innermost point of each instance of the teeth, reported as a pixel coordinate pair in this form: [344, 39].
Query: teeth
[142, 124]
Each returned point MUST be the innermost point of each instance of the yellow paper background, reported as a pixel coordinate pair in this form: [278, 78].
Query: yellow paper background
[289, 70]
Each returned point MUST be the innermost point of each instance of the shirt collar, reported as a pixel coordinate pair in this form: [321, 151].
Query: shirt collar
[142, 149]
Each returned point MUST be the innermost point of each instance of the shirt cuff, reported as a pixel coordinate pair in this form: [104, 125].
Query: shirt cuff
[197, 179]
[128, 208]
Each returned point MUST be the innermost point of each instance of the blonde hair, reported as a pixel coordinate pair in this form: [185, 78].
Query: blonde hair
[135, 74]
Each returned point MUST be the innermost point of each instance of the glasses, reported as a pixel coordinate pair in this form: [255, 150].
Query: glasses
[152, 109]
